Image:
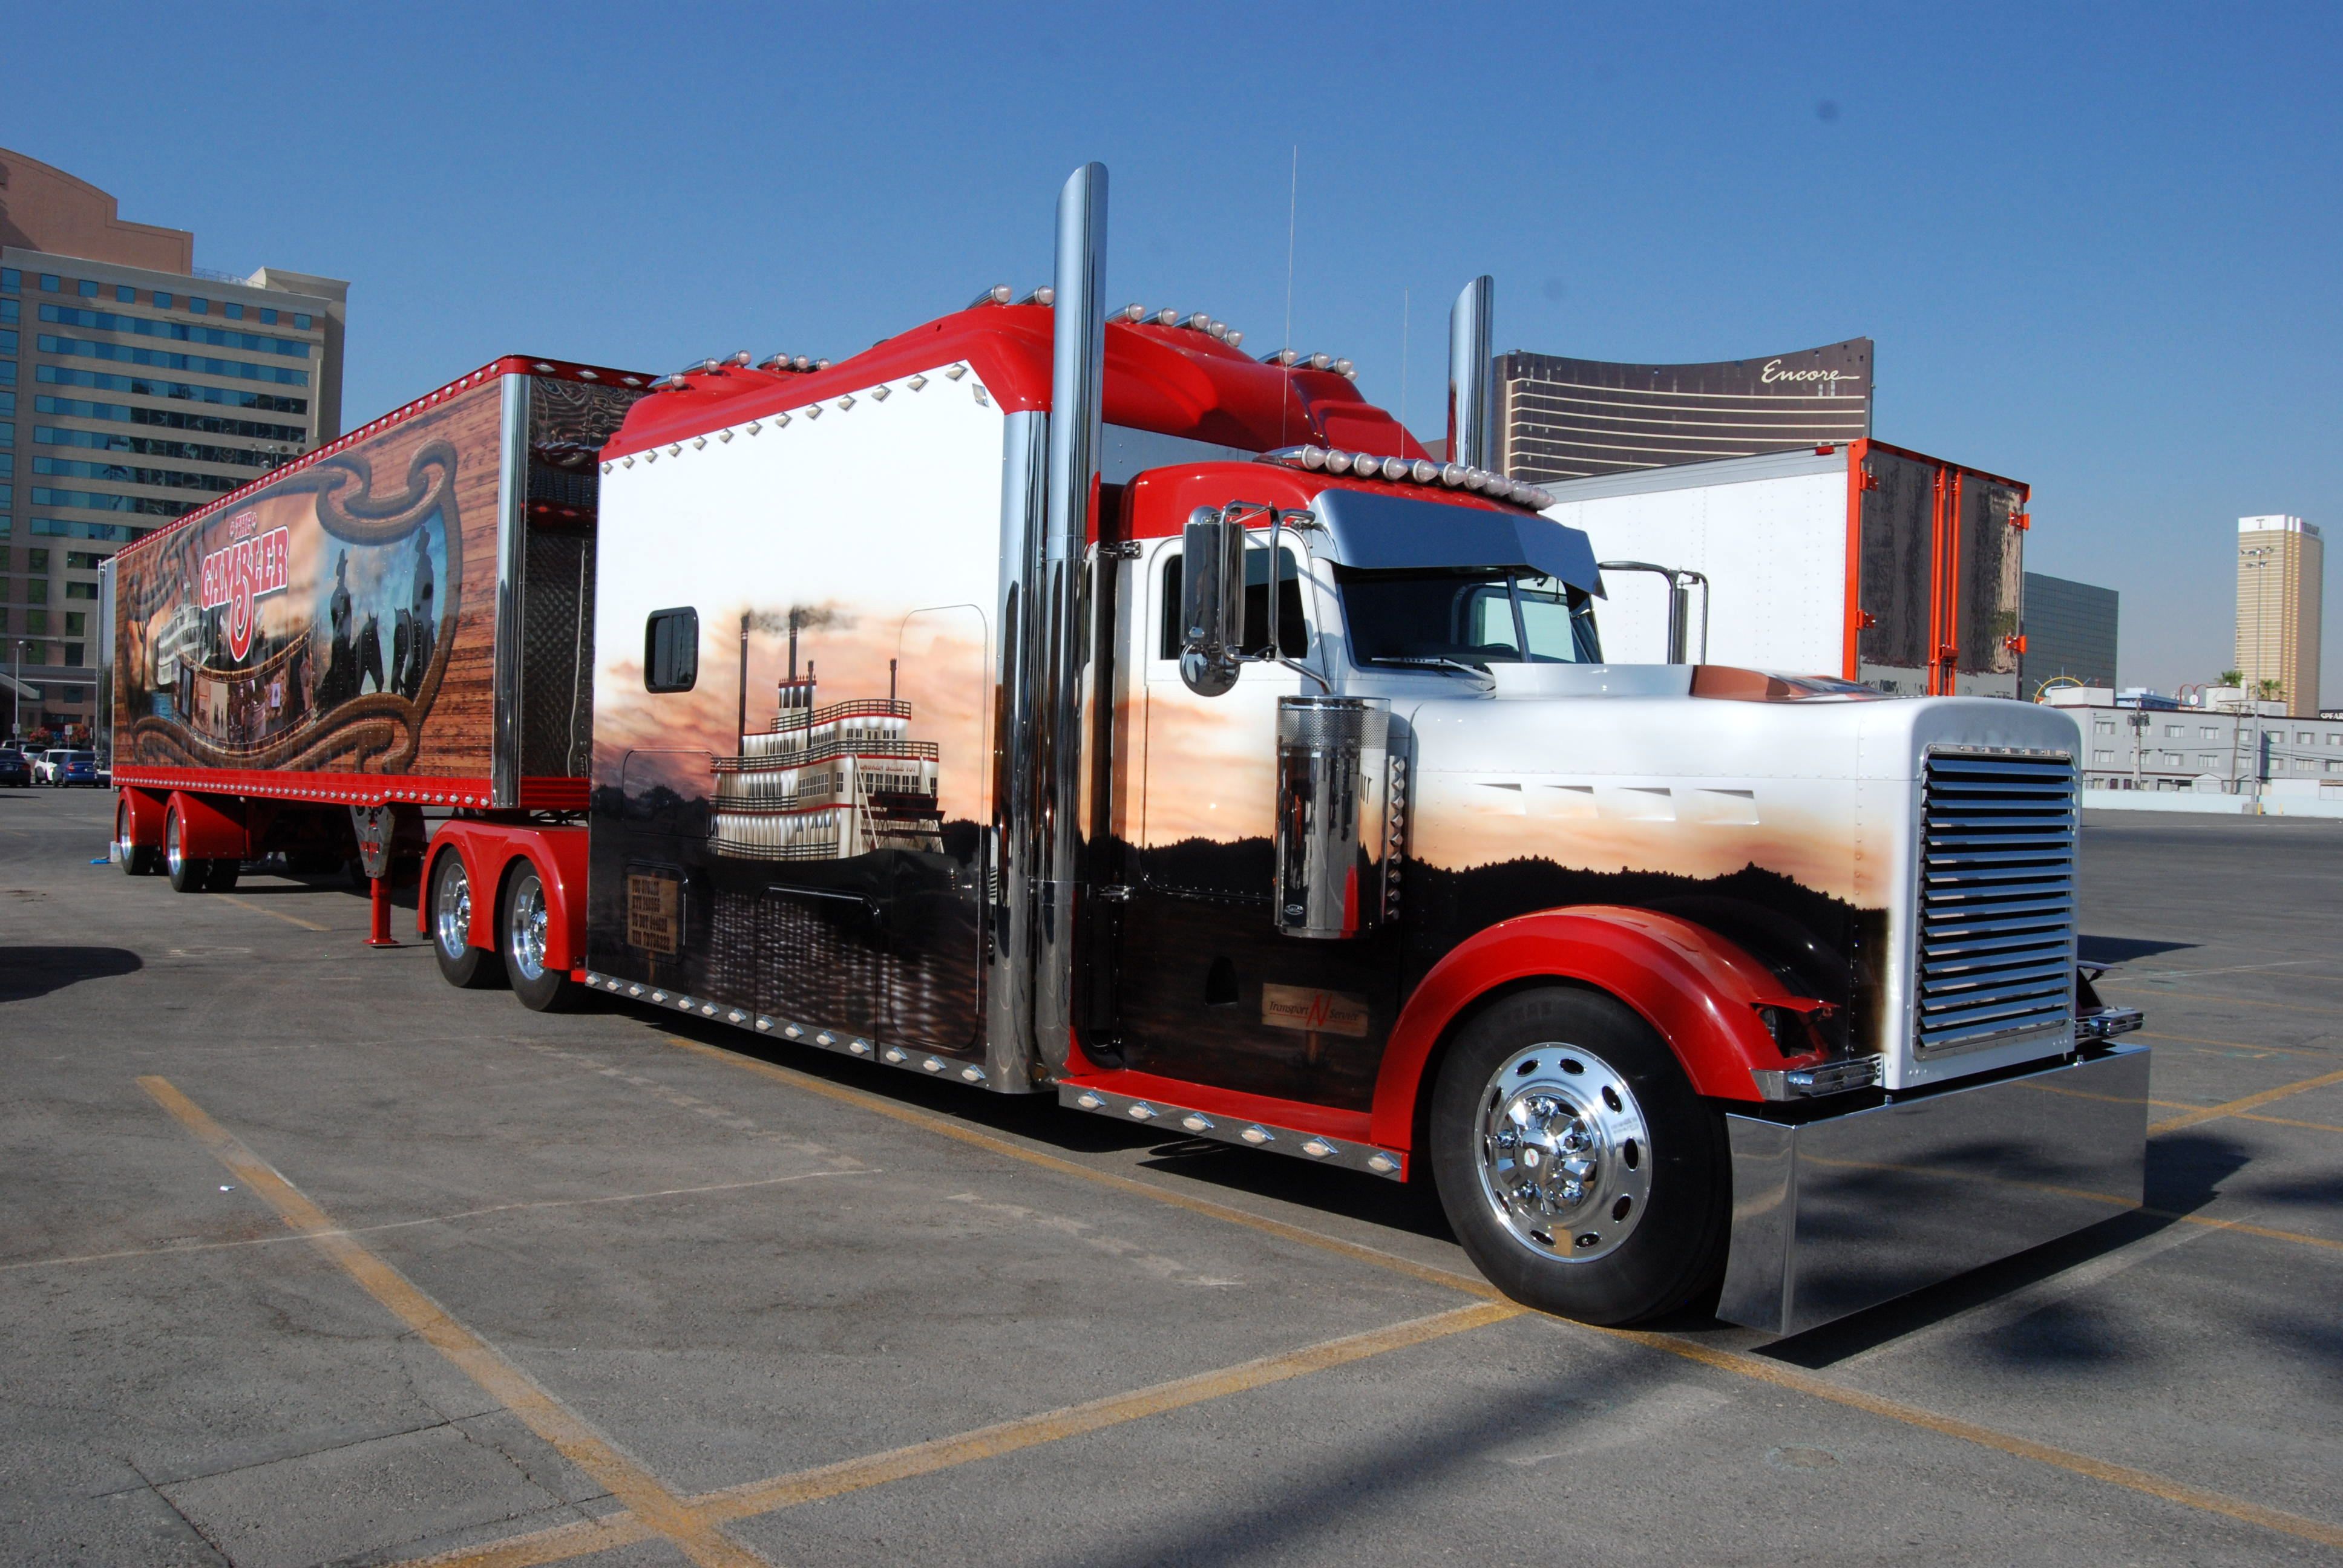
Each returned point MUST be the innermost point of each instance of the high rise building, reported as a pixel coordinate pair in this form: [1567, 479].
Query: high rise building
[2280, 565]
[1562, 418]
[2070, 631]
[134, 387]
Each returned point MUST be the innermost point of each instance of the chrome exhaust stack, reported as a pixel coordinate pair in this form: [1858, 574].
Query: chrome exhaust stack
[1471, 376]
[1058, 614]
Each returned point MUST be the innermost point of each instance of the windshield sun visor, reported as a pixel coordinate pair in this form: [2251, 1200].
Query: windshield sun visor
[1374, 532]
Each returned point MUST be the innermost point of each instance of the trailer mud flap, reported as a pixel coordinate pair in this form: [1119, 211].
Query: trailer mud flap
[1839, 1214]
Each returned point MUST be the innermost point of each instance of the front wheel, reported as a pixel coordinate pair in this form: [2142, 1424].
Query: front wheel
[461, 964]
[527, 922]
[1578, 1168]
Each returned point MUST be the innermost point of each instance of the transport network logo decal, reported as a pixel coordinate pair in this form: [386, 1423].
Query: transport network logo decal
[251, 567]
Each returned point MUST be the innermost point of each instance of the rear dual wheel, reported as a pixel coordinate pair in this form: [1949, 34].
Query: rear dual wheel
[461, 964]
[526, 925]
[1577, 1166]
[190, 874]
[136, 860]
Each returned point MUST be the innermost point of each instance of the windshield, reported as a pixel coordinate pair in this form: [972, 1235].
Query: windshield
[1466, 618]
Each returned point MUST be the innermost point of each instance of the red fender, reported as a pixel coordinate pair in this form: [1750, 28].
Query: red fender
[142, 811]
[1700, 991]
[211, 827]
[491, 850]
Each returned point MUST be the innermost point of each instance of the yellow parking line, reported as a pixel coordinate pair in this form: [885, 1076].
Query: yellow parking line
[2235, 1044]
[914, 1117]
[2156, 990]
[2244, 1103]
[569, 1433]
[779, 1491]
[1757, 1368]
[2287, 1121]
[1783, 1375]
[265, 909]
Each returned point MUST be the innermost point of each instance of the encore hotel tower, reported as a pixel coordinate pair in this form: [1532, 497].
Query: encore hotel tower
[133, 388]
[1573, 419]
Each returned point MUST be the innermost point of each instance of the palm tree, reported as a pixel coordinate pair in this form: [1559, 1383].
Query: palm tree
[2269, 690]
[2231, 678]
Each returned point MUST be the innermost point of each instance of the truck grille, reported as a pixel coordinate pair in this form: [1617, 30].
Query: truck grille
[1996, 940]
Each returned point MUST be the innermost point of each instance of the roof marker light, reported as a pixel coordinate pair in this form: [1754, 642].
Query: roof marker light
[1044, 295]
[1235, 339]
[740, 357]
[1397, 467]
[1283, 357]
[1338, 462]
[1452, 475]
[1424, 470]
[1167, 316]
[1134, 312]
[1321, 362]
[1344, 367]
[1313, 457]
[999, 294]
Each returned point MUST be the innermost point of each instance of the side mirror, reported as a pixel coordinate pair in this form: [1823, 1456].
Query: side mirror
[1211, 601]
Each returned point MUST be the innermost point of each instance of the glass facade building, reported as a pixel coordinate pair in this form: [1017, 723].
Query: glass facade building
[128, 398]
[2070, 631]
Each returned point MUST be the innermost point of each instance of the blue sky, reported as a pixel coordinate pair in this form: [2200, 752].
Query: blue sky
[2098, 246]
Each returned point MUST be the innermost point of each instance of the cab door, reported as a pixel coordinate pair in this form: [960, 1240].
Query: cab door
[1209, 991]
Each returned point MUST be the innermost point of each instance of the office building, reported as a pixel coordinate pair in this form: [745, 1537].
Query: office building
[2280, 564]
[1562, 418]
[2229, 746]
[2070, 633]
[134, 387]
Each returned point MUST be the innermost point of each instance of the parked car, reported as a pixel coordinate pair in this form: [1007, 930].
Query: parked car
[14, 771]
[45, 765]
[77, 767]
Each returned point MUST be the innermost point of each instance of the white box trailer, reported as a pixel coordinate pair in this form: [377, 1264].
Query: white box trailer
[1864, 561]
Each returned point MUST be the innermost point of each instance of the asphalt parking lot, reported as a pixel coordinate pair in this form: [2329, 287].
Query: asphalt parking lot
[306, 1257]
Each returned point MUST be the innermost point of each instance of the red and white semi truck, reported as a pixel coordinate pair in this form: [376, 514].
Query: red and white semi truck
[1058, 699]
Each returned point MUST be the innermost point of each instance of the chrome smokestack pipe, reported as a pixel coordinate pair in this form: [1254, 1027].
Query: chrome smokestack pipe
[1078, 369]
[1471, 378]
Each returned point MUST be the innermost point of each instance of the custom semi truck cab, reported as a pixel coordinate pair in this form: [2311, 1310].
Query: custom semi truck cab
[1057, 699]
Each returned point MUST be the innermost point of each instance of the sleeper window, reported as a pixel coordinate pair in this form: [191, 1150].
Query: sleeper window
[671, 651]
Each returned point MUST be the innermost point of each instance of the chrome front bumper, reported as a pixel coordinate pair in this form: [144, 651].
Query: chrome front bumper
[1839, 1214]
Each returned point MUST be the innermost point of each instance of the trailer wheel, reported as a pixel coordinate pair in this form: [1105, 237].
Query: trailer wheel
[1578, 1168]
[188, 874]
[136, 861]
[526, 917]
[461, 964]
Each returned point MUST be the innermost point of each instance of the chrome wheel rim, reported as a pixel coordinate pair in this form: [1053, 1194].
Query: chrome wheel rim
[123, 846]
[528, 923]
[171, 845]
[1564, 1158]
[452, 910]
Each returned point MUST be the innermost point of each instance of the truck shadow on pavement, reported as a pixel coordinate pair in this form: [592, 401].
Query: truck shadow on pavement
[29, 972]
[2185, 1171]
[2122, 949]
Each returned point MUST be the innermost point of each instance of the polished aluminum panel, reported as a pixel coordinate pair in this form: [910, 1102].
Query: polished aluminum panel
[1331, 825]
[1844, 1213]
[1182, 1119]
[512, 539]
[1011, 838]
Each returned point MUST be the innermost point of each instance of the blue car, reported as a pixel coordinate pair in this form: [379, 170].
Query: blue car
[79, 767]
[15, 772]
